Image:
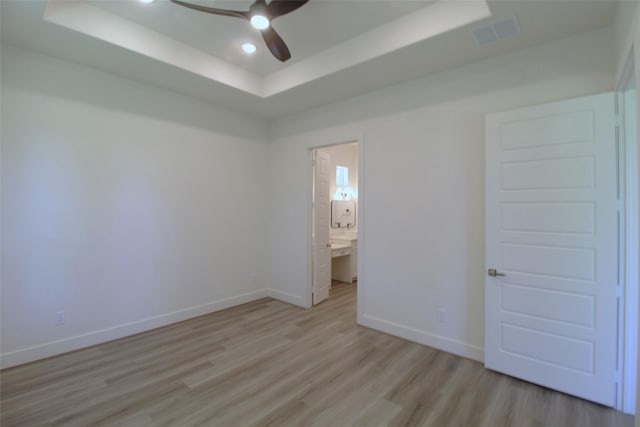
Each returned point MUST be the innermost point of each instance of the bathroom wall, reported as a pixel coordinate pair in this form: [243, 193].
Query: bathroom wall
[343, 155]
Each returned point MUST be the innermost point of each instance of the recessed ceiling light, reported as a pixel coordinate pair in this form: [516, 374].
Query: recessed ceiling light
[260, 22]
[146, 1]
[249, 48]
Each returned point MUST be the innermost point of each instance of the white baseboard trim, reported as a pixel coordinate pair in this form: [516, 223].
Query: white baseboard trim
[422, 337]
[286, 297]
[65, 345]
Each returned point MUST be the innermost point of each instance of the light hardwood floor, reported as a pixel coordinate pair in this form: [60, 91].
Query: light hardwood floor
[268, 363]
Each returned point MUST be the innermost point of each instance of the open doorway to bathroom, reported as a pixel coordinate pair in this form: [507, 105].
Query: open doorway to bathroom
[335, 221]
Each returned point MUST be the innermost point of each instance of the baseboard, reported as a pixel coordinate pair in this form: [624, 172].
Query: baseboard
[422, 337]
[286, 297]
[53, 348]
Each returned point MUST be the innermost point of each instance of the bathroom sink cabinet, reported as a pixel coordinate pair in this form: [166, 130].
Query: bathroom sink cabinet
[344, 262]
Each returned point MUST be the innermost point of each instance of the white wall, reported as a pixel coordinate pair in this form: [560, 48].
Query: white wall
[123, 205]
[423, 146]
[624, 29]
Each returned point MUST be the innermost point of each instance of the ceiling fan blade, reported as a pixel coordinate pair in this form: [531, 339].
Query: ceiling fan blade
[282, 7]
[276, 45]
[223, 12]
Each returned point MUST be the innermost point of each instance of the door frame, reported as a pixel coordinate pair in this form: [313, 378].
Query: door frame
[359, 214]
[628, 235]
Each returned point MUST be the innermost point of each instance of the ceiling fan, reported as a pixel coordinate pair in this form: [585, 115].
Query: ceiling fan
[260, 14]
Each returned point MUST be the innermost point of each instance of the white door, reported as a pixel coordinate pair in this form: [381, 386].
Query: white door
[321, 224]
[551, 234]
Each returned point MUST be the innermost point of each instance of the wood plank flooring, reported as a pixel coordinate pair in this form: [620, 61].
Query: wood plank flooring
[268, 363]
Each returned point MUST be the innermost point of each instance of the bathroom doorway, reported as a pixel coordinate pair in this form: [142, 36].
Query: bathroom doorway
[335, 220]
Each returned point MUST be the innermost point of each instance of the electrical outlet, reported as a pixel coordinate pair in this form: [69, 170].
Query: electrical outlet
[59, 318]
[442, 315]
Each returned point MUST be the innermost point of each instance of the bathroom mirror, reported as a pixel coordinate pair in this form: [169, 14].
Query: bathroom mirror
[343, 214]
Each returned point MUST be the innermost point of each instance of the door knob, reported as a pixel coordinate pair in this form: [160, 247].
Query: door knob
[493, 273]
[328, 245]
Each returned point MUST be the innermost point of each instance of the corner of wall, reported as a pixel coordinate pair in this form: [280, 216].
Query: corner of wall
[625, 28]
[286, 297]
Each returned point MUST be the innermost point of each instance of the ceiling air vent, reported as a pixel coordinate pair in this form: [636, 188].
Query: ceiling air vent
[496, 30]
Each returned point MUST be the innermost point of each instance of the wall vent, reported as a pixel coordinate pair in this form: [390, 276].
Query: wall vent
[496, 30]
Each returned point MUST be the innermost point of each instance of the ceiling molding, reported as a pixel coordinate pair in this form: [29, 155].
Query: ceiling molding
[435, 19]
[94, 22]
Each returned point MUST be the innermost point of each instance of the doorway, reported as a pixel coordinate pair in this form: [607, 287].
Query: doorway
[335, 219]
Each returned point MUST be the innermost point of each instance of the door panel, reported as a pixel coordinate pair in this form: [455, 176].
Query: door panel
[551, 229]
[549, 217]
[321, 224]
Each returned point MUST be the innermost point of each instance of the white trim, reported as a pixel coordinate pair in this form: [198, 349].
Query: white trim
[361, 228]
[439, 342]
[631, 278]
[308, 303]
[629, 246]
[53, 348]
[286, 297]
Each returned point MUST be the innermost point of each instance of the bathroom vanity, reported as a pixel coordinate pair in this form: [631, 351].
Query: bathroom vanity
[344, 259]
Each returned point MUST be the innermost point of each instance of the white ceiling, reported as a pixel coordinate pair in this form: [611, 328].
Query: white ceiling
[317, 26]
[333, 56]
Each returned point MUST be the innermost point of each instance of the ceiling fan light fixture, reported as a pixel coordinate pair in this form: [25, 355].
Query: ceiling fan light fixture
[260, 14]
[260, 22]
[249, 48]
